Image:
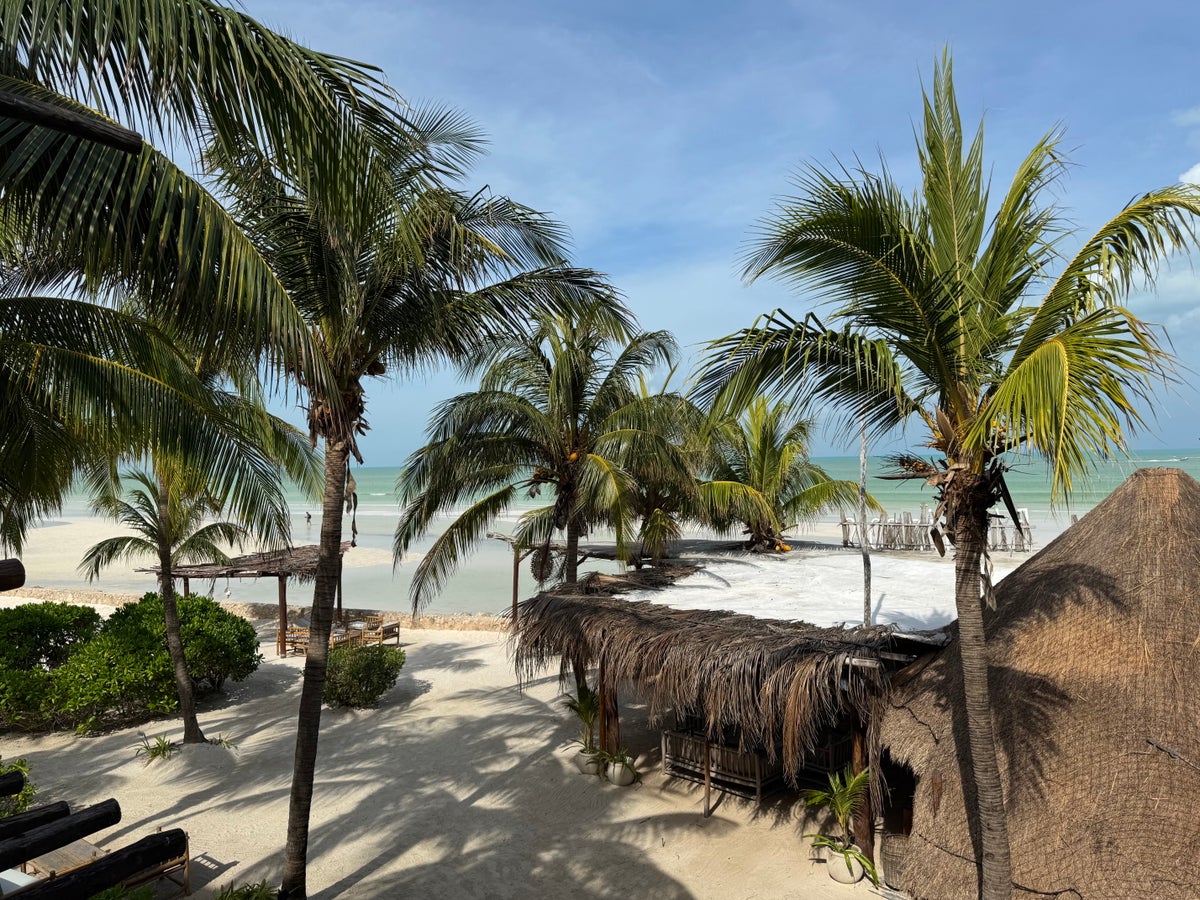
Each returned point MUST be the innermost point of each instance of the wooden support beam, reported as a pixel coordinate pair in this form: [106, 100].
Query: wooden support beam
[113, 868]
[610, 719]
[85, 125]
[864, 822]
[12, 574]
[32, 818]
[59, 833]
[281, 641]
[187, 586]
[11, 783]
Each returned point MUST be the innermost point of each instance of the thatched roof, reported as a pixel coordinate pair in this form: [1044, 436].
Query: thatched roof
[779, 682]
[298, 562]
[1094, 667]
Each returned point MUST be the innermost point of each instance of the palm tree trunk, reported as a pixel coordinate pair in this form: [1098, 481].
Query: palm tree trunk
[862, 522]
[166, 586]
[970, 531]
[329, 565]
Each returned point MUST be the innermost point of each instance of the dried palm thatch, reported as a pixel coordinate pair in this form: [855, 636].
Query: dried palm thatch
[781, 683]
[1094, 665]
[297, 562]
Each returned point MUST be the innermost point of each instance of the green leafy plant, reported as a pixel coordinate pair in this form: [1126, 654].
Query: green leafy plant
[161, 747]
[843, 799]
[18, 802]
[358, 676]
[621, 758]
[586, 707]
[247, 891]
[43, 635]
[120, 892]
[223, 742]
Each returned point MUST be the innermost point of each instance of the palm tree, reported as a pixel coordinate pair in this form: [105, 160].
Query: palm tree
[188, 73]
[974, 320]
[559, 410]
[415, 272]
[167, 514]
[766, 449]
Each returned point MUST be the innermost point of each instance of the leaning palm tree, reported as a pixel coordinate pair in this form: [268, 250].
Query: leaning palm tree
[558, 411]
[166, 513]
[766, 449]
[966, 313]
[414, 273]
[87, 221]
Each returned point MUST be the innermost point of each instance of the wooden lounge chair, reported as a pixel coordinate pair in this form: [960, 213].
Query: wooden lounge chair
[296, 641]
[378, 631]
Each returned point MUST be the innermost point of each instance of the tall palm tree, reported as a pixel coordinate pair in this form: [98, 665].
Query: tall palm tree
[187, 73]
[559, 410]
[414, 273]
[167, 514]
[967, 314]
[766, 449]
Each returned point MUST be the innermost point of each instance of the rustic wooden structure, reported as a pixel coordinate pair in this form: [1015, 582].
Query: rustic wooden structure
[88, 125]
[48, 842]
[779, 686]
[1093, 660]
[298, 562]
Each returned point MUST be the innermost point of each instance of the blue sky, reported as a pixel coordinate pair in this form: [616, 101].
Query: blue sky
[660, 132]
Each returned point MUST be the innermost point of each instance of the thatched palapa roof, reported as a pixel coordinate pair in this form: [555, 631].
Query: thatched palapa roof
[779, 682]
[1094, 651]
[297, 562]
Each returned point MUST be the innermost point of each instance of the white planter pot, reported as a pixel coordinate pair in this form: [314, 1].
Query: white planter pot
[622, 776]
[587, 763]
[835, 863]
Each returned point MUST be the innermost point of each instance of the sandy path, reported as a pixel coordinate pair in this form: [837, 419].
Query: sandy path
[457, 786]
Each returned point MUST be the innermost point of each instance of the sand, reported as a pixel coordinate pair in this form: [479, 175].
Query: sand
[458, 785]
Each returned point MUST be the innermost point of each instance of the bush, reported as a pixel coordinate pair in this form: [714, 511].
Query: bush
[359, 676]
[124, 673]
[43, 635]
[259, 891]
[18, 802]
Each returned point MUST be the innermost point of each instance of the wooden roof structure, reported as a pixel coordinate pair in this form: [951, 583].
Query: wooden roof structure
[781, 683]
[1093, 662]
[294, 562]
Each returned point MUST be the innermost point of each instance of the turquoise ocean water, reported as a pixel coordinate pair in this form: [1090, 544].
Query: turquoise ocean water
[484, 583]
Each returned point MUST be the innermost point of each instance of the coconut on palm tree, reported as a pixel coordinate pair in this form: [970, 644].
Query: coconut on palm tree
[964, 310]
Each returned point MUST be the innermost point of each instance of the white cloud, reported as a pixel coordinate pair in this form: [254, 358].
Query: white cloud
[1186, 117]
[1192, 175]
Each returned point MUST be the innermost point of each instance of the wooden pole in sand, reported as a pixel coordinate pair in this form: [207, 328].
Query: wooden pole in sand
[516, 581]
[281, 641]
[864, 822]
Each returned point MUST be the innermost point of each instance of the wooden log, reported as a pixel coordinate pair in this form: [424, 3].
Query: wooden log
[32, 818]
[51, 836]
[864, 822]
[113, 868]
[11, 783]
[12, 574]
[85, 125]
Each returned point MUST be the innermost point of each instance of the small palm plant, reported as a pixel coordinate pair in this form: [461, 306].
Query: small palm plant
[844, 800]
[586, 707]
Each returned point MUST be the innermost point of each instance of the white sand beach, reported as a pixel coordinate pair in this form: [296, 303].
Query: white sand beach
[458, 785]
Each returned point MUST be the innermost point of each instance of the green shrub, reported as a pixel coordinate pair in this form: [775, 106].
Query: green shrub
[18, 802]
[124, 673]
[162, 747]
[22, 696]
[43, 635]
[359, 676]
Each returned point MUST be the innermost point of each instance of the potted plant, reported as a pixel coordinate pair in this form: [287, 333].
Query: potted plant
[586, 707]
[619, 767]
[845, 861]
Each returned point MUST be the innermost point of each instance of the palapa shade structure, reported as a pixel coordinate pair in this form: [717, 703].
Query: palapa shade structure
[296, 562]
[1095, 666]
[780, 683]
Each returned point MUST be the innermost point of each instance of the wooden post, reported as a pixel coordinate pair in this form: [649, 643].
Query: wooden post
[341, 616]
[610, 720]
[281, 644]
[187, 586]
[864, 822]
[707, 778]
